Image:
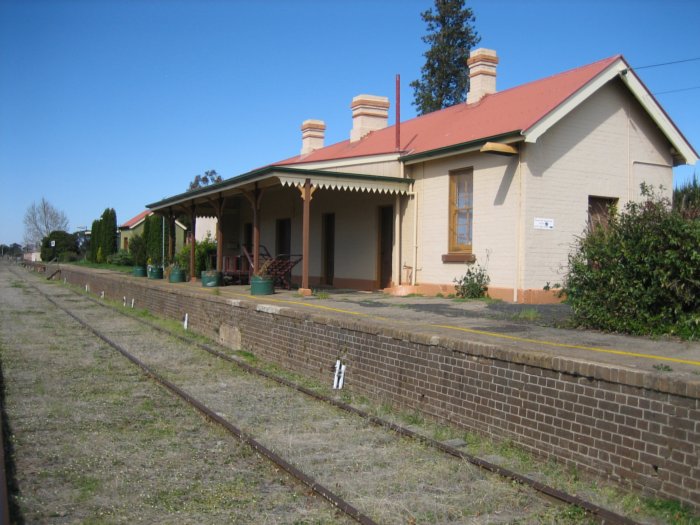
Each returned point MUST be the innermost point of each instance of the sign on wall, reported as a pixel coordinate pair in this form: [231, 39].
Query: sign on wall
[544, 224]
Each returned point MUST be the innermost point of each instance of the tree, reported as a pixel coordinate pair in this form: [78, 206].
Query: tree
[95, 237]
[40, 220]
[65, 247]
[451, 35]
[686, 199]
[153, 237]
[108, 232]
[12, 250]
[201, 181]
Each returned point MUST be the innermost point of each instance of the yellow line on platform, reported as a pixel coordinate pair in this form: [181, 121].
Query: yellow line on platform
[490, 334]
[566, 345]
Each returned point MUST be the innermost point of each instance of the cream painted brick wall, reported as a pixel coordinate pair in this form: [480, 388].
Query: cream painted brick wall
[496, 188]
[592, 151]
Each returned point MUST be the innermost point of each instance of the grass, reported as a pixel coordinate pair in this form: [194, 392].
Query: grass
[671, 511]
[527, 314]
[486, 299]
[103, 266]
[319, 294]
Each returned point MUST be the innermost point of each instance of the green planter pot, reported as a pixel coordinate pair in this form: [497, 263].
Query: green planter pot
[155, 273]
[261, 286]
[138, 271]
[211, 278]
[177, 276]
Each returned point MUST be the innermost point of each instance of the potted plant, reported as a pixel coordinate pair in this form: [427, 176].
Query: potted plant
[155, 270]
[261, 283]
[176, 274]
[137, 247]
[210, 278]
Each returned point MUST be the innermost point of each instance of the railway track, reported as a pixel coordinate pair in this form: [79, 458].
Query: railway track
[300, 452]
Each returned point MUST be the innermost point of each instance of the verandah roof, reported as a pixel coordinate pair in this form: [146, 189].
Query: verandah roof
[273, 175]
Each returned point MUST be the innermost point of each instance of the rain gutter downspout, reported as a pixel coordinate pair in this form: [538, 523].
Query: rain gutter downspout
[519, 226]
[415, 228]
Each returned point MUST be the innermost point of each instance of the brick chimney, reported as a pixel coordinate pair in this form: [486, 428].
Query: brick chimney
[369, 113]
[312, 135]
[482, 74]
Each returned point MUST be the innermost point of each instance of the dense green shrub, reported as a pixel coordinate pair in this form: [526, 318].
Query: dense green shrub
[63, 243]
[68, 256]
[640, 274]
[121, 258]
[137, 248]
[472, 284]
[204, 251]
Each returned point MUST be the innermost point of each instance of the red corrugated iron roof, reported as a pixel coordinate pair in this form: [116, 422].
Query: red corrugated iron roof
[512, 110]
[134, 221]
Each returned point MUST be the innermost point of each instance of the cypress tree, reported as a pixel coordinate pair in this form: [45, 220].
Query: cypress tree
[108, 232]
[95, 239]
[451, 35]
[153, 233]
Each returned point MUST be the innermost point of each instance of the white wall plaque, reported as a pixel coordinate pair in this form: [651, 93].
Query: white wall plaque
[544, 224]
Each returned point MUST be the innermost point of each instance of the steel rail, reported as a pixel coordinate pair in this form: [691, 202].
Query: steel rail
[246, 438]
[600, 514]
[4, 498]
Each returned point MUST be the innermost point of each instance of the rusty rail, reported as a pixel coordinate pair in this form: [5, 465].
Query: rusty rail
[316, 487]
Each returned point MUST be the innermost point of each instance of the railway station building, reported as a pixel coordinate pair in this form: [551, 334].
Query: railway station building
[506, 180]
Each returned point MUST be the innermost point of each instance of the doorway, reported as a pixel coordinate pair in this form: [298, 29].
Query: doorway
[283, 239]
[328, 247]
[248, 236]
[386, 245]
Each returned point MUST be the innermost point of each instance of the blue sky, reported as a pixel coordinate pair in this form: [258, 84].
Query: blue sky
[118, 103]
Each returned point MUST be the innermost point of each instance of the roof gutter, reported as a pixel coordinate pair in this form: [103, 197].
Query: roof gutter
[464, 147]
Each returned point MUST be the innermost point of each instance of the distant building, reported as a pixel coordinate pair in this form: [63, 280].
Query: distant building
[135, 225]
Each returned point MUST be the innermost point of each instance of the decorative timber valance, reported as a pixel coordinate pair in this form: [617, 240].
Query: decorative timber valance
[347, 181]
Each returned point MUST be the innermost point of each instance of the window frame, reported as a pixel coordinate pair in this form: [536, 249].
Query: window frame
[453, 210]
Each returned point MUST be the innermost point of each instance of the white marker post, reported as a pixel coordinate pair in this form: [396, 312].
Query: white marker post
[342, 377]
[186, 320]
[336, 375]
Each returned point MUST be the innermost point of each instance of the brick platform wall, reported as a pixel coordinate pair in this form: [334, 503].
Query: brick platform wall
[638, 428]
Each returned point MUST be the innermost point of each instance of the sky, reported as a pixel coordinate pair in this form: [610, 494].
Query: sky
[120, 103]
